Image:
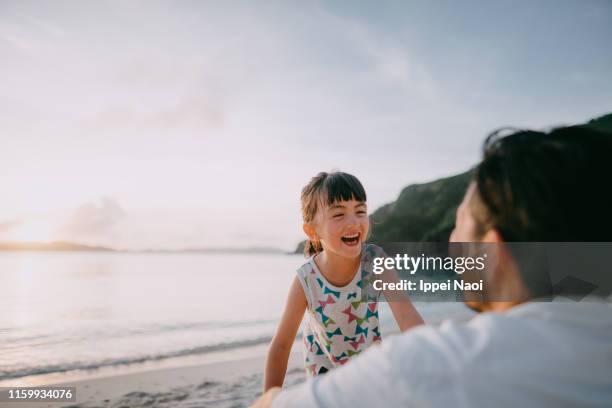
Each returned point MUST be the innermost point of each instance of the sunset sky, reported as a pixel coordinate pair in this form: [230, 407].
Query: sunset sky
[169, 124]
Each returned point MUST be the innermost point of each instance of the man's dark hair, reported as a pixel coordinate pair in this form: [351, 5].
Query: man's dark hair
[546, 186]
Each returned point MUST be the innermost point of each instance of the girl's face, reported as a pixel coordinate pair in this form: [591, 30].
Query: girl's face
[341, 227]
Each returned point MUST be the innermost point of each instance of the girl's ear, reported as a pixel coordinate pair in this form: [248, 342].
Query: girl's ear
[309, 231]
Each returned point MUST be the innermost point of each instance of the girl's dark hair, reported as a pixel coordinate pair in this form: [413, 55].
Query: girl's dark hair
[327, 189]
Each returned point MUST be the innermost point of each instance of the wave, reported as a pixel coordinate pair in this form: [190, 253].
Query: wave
[20, 336]
[81, 365]
[163, 328]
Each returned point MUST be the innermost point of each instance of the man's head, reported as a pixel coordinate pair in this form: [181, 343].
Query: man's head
[539, 187]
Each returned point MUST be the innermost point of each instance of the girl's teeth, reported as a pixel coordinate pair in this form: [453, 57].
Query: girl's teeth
[351, 239]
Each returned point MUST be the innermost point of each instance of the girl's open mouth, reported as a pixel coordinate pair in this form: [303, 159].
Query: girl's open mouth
[351, 240]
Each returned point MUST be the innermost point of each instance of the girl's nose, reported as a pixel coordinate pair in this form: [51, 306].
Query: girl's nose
[353, 220]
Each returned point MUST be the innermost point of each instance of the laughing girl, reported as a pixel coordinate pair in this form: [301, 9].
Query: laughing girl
[341, 323]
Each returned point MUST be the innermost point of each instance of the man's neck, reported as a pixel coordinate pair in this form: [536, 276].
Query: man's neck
[499, 307]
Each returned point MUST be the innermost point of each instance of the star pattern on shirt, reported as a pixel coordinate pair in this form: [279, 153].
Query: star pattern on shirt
[330, 300]
[333, 292]
[334, 333]
[349, 314]
[324, 317]
[329, 343]
[329, 321]
[360, 329]
[355, 344]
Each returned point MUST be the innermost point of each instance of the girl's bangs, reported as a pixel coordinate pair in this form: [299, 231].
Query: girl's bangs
[342, 187]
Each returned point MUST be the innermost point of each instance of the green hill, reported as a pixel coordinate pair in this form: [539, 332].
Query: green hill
[422, 212]
[602, 123]
[426, 212]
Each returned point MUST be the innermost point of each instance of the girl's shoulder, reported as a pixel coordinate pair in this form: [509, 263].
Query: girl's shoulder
[304, 277]
[306, 269]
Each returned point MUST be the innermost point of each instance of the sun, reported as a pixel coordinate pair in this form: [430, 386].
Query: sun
[32, 231]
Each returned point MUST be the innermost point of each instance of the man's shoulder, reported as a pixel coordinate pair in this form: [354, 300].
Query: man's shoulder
[431, 348]
[411, 366]
[442, 365]
[444, 348]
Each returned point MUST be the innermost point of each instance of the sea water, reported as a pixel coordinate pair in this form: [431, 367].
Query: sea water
[67, 311]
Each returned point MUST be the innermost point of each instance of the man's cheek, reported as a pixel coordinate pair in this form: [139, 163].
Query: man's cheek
[453, 236]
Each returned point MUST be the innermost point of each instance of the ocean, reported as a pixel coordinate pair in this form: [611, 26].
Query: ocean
[63, 312]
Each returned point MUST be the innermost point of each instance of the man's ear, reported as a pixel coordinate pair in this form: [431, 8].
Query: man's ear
[495, 243]
[309, 231]
[507, 288]
[492, 236]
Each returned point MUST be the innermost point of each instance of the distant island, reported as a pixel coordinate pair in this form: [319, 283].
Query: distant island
[426, 212]
[49, 246]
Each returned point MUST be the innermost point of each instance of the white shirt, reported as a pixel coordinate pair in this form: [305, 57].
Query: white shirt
[538, 354]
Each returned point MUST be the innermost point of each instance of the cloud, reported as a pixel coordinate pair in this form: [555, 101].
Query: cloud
[190, 113]
[197, 111]
[389, 58]
[17, 42]
[93, 220]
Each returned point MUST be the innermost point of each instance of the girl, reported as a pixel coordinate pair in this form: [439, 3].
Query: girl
[340, 324]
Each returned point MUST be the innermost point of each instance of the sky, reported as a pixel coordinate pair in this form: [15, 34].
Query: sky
[173, 124]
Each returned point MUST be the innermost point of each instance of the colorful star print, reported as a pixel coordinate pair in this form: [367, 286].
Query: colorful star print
[350, 314]
[329, 301]
[324, 317]
[341, 323]
[355, 344]
[333, 292]
[334, 333]
[359, 330]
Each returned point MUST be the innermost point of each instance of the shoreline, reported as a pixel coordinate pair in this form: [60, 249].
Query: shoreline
[224, 383]
[225, 378]
[223, 356]
[257, 350]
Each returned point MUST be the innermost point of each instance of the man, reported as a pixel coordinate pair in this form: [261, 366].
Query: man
[529, 186]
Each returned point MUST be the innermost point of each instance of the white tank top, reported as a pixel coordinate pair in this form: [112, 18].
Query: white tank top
[339, 323]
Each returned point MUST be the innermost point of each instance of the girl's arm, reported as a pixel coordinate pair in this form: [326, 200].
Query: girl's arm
[404, 312]
[280, 347]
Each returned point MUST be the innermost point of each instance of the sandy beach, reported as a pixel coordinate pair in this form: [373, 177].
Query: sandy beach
[221, 384]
